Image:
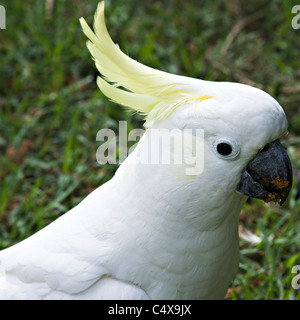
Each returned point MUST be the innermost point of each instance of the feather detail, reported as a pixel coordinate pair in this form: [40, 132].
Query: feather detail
[153, 93]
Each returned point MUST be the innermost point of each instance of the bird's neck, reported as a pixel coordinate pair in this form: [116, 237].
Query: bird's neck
[175, 236]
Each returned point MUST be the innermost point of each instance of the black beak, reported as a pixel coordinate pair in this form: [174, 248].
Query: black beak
[269, 175]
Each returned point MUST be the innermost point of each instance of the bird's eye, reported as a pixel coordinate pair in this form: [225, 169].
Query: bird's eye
[226, 148]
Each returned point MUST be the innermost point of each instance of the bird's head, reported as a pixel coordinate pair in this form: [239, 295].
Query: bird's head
[228, 133]
[242, 127]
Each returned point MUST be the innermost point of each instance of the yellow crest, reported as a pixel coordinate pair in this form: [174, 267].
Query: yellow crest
[150, 92]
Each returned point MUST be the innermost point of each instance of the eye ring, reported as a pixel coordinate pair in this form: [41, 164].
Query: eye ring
[225, 148]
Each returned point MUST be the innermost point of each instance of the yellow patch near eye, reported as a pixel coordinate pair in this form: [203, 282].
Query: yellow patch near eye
[164, 108]
[201, 98]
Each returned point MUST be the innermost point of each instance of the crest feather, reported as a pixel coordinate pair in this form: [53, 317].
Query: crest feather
[153, 93]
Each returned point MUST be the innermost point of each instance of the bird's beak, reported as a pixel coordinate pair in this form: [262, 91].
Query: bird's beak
[269, 175]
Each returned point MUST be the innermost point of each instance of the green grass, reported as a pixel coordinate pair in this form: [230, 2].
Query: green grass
[51, 109]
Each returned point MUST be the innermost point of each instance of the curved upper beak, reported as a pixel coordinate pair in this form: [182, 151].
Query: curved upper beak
[269, 176]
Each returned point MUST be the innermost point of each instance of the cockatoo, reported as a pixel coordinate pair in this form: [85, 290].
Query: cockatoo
[160, 230]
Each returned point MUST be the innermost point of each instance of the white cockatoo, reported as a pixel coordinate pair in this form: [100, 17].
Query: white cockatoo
[160, 230]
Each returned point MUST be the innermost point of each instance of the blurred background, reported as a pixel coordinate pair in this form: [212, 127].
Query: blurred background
[51, 108]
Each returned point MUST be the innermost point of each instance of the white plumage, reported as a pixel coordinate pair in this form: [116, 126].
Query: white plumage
[152, 231]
